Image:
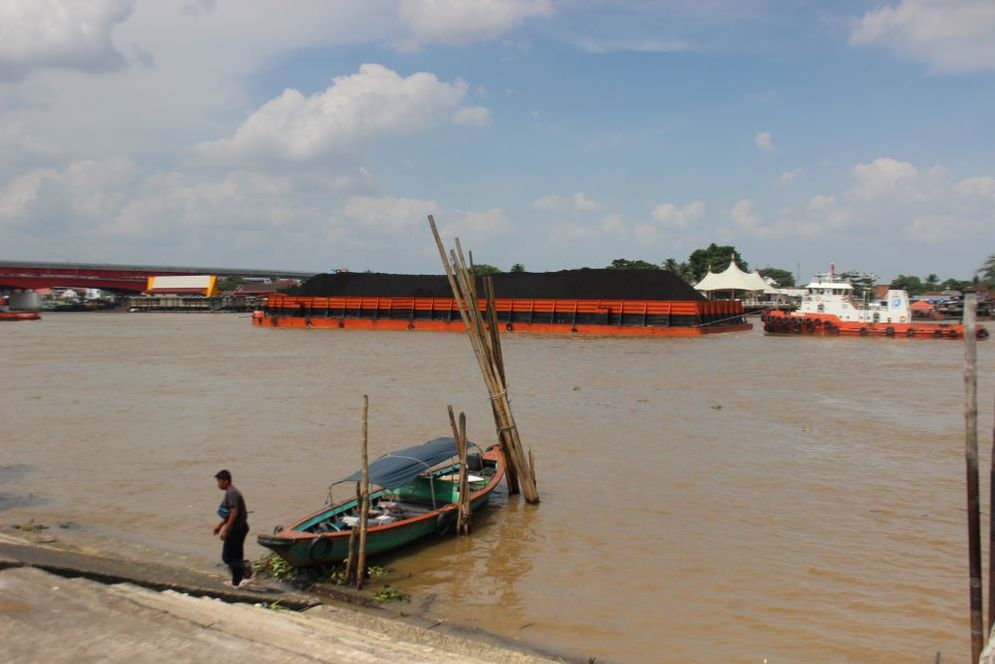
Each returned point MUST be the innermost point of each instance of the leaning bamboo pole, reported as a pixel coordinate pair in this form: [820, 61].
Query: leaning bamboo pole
[364, 507]
[463, 284]
[971, 457]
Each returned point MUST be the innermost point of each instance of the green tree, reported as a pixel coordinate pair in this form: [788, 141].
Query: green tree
[715, 258]
[953, 284]
[784, 278]
[987, 272]
[484, 270]
[627, 264]
[518, 267]
[228, 284]
[911, 284]
[682, 270]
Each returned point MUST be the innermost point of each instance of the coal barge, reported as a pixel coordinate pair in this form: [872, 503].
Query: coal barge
[586, 301]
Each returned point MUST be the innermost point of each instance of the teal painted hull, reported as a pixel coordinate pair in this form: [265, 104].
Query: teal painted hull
[309, 543]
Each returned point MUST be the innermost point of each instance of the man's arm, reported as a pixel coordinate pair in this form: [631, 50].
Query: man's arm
[225, 526]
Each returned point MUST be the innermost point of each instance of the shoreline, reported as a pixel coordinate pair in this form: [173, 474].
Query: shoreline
[344, 606]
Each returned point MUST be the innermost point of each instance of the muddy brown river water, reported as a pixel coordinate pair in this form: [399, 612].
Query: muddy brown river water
[730, 498]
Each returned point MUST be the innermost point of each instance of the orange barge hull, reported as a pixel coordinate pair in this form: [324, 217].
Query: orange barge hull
[779, 322]
[635, 318]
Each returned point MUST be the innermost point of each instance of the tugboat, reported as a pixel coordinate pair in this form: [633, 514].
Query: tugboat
[829, 308]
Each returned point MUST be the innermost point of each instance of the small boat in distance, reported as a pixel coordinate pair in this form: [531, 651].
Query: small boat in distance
[829, 308]
[418, 496]
[18, 315]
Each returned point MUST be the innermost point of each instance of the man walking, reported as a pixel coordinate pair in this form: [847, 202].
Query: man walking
[232, 530]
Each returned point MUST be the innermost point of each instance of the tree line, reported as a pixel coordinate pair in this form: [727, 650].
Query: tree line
[717, 257]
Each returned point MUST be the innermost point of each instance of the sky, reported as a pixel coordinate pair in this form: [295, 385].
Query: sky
[318, 135]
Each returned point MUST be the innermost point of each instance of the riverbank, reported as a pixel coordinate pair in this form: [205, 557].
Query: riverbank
[111, 607]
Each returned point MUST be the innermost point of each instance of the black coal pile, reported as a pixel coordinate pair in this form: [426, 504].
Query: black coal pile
[584, 284]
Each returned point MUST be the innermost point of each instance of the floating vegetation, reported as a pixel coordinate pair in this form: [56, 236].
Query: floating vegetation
[388, 594]
[717, 406]
[275, 567]
[31, 527]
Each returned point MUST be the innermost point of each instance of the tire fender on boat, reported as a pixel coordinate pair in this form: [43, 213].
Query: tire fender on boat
[889, 331]
[910, 332]
[445, 521]
[319, 548]
[937, 334]
[863, 331]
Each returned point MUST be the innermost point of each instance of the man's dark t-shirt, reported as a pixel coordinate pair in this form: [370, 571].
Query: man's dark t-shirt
[234, 499]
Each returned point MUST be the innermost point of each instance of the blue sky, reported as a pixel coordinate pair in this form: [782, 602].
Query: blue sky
[319, 135]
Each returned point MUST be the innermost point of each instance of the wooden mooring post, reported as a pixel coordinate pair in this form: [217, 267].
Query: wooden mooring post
[486, 348]
[364, 507]
[971, 457]
[462, 449]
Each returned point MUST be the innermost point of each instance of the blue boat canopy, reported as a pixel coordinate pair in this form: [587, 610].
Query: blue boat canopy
[398, 468]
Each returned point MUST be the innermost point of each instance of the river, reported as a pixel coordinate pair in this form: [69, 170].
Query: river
[730, 498]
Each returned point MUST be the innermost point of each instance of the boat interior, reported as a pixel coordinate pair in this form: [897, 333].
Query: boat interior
[428, 492]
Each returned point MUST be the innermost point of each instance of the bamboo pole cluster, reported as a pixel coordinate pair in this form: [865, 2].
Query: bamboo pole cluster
[486, 342]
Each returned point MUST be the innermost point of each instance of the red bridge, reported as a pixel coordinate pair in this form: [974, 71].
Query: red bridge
[134, 278]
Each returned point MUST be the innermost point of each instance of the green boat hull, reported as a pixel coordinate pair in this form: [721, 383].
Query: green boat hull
[301, 546]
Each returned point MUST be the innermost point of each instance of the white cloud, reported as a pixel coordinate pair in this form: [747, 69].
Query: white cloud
[764, 141]
[472, 116]
[374, 103]
[578, 202]
[644, 232]
[789, 176]
[611, 226]
[890, 200]
[984, 186]
[466, 21]
[743, 215]
[389, 213]
[947, 35]
[883, 177]
[672, 216]
[70, 34]
[478, 224]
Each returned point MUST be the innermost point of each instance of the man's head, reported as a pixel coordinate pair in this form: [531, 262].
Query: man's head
[224, 479]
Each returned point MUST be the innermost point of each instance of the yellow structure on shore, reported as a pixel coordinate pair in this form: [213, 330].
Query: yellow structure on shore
[206, 285]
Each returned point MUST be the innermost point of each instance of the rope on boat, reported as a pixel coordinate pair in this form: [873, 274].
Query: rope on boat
[722, 320]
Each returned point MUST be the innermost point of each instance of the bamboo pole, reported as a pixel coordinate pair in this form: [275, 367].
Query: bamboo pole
[463, 511]
[991, 537]
[495, 335]
[462, 282]
[350, 562]
[364, 513]
[463, 521]
[971, 457]
[499, 397]
[459, 295]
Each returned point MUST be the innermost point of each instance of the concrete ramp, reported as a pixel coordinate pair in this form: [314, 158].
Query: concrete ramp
[44, 617]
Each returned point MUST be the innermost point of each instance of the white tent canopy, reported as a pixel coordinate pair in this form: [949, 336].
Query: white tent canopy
[732, 279]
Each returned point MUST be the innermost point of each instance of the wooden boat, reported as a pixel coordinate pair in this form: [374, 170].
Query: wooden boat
[18, 315]
[418, 497]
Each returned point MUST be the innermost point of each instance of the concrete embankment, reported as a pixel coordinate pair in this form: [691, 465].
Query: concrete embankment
[58, 605]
